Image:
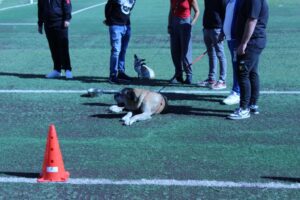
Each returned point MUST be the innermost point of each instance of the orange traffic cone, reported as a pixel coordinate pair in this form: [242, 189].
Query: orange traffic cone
[53, 165]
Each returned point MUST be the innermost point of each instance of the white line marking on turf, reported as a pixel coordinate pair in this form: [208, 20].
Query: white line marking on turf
[163, 182]
[34, 24]
[18, 6]
[164, 91]
[87, 8]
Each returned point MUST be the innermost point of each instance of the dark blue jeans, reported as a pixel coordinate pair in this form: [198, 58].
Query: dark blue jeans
[232, 45]
[248, 76]
[181, 45]
[119, 39]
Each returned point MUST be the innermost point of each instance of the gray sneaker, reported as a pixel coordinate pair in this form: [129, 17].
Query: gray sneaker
[254, 109]
[240, 114]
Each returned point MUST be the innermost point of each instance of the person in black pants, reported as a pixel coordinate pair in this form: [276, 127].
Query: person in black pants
[55, 16]
[251, 26]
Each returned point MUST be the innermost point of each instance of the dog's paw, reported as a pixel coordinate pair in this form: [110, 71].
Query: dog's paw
[127, 122]
[115, 109]
[127, 116]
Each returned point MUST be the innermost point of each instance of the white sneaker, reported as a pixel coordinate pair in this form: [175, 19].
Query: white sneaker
[240, 114]
[53, 74]
[69, 74]
[232, 99]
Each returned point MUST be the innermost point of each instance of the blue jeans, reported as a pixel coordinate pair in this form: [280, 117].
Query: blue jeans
[232, 45]
[181, 45]
[119, 39]
[215, 52]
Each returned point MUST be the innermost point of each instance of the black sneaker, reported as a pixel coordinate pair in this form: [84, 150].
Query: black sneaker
[188, 80]
[115, 80]
[254, 109]
[176, 79]
[122, 75]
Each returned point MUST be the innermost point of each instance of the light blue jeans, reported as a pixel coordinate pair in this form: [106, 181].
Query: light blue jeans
[215, 53]
[232, 45]
[119, 39]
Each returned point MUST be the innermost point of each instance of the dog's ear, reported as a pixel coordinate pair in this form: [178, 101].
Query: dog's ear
[131, 95]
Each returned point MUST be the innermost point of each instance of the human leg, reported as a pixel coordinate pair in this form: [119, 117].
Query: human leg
[53, 41]
[126, 34]
[208, 40]
[176, 50]
[234, 96]
[64, 37]
[186, 48]
[115, 42]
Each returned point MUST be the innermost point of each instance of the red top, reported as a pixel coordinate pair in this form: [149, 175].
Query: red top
[181, 8]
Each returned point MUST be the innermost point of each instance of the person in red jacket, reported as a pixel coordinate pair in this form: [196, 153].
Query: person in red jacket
[55, 16]
[180, 30]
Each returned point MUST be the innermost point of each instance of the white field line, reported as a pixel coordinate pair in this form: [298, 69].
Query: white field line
[164, 91]
[18, 6]
[163, 182]
[34, 24]
[88, 8]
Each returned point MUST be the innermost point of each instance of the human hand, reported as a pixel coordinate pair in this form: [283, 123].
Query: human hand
[40, 29]
[169, 29]
[105, 22]
[67, 24]
[241, 49]
[221, 37]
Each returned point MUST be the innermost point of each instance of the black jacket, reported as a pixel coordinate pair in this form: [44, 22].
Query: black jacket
[53, 13]
[214, 13]
[117, 12]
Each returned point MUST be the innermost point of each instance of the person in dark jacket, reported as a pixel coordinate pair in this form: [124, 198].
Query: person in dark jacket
[117, 18]
[55, 16]
[251, 24]
[213, 19]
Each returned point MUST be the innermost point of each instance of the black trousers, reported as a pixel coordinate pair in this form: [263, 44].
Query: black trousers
[248, 76]
[58, 40]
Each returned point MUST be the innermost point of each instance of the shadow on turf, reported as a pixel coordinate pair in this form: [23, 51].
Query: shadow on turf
[98, 79]
[21, 174]
[280, 178]
[189, 110]
[194, 97]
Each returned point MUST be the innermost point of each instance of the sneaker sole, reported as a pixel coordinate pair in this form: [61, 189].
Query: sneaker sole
[237, 118]
[218, 88]
[229, 104]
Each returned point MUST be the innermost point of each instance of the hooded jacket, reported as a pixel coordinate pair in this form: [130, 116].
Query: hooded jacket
[53, 13]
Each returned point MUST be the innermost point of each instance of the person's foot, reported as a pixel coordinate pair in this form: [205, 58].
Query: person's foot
[188, 80]
[254, 109]
[232, 99]
[69, 74]
[122, 75]
[219, 85]
[176, 79]
[54, 74]
[239, 114]
[206, 83]
[116, 80]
